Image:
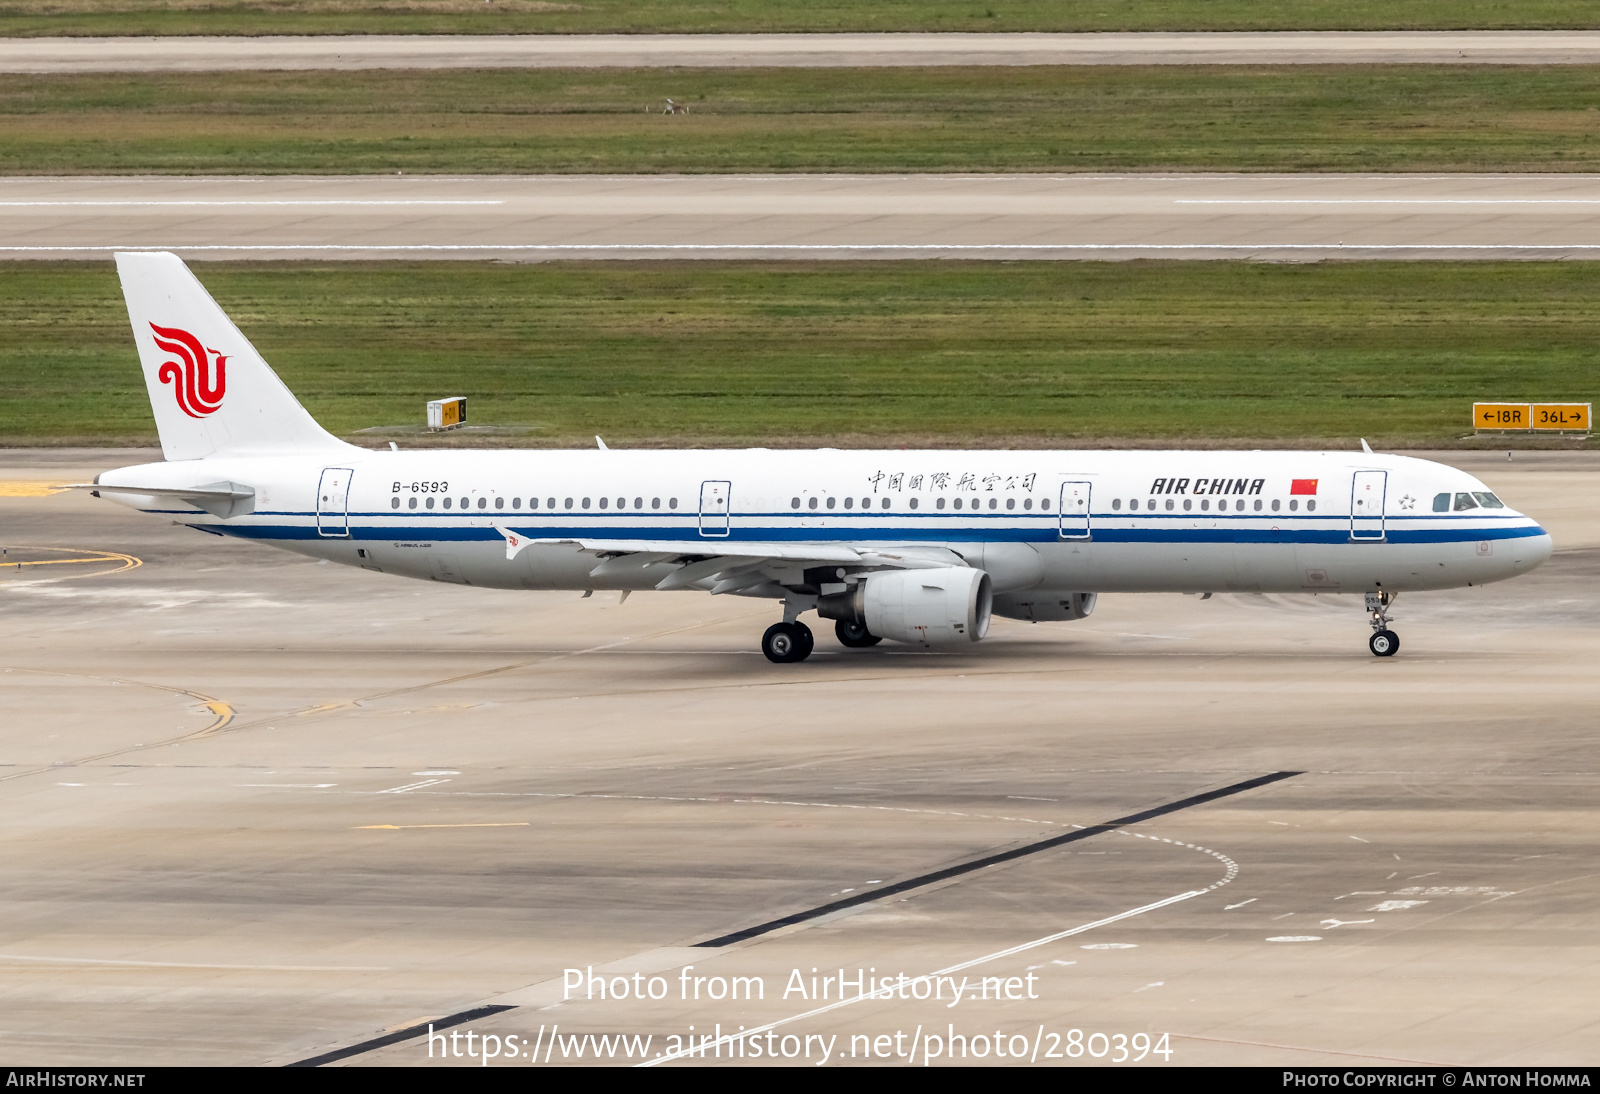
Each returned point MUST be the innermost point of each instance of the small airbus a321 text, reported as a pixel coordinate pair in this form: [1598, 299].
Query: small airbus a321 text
[914, 546]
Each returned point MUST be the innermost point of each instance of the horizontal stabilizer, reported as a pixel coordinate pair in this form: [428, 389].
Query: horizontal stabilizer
[221, 499]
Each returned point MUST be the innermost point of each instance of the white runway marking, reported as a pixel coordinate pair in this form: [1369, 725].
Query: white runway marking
[413, 786]
[700, 1050]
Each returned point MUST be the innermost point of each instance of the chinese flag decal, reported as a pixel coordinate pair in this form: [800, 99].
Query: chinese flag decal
[1302, 486]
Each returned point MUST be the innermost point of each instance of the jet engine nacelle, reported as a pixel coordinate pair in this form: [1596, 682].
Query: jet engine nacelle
[930, 607]
[1044, 605]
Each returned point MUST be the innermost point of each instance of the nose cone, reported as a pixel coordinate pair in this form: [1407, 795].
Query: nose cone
[1531, 552]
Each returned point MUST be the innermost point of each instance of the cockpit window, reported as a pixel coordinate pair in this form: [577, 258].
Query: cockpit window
[1465, 501]
[1441, 503]
[1488, 500]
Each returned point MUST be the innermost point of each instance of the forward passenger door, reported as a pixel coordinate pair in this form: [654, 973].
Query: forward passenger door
[1366, 505]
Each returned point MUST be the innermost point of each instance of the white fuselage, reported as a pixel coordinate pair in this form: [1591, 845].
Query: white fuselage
[1063, 520]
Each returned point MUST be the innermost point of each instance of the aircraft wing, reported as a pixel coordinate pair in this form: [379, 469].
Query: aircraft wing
[726, 566]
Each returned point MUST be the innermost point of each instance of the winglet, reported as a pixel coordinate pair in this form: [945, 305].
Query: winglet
[1365, 447]
[601, 443]
[515, 542]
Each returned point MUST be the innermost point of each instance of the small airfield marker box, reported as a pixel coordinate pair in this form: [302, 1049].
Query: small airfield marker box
[447, 413]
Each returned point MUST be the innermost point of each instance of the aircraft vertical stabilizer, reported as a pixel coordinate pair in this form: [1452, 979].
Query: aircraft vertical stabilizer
[212, 393]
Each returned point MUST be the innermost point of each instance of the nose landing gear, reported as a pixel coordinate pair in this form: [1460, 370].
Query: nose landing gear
[1384, 642]
[786, 643]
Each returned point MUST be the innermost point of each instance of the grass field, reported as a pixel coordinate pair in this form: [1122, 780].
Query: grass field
[1406, 118]
[858, 353]
[116, 17]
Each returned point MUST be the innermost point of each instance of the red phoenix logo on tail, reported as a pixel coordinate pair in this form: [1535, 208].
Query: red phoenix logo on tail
[198, 378]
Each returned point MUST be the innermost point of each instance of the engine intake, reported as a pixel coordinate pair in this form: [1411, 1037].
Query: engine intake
[930, 607]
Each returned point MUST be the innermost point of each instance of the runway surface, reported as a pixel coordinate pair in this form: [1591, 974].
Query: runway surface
[189, 54]
[1282, 217]
[260, 809]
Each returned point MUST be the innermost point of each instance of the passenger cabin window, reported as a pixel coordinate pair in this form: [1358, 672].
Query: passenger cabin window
[516, 503]
[1011, 503]
[794, 503]
[655, 503]
[1044, 503]
[811, 503]
[533, 503]
[1116, 503]
[483, 503]
[1027, 503]
[958, 503]
[1465, 501]
[913, 502]
[1311, 505]
[604, 502]
[849, 503]
[429, 503]
[1488, 500]
[448, 501]
[586, 502]
[1205, 505]
[1275, 504]
[830, 503]
[411, 504]
[672, 503]
[939, 504]
[886, 503]
[1294, 503]
[1188, 504]
[569, 503]
[394, 503]
[1441, 503]
[1170, 503]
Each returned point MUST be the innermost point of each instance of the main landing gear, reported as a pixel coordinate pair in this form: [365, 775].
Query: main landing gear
[786, 643]
[1384, 642]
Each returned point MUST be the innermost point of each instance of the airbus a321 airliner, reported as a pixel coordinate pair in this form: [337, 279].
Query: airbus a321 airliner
[918, 547]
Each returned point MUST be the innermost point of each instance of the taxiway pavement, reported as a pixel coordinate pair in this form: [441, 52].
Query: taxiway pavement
[260, 808]
[534, 218]
[190, 54]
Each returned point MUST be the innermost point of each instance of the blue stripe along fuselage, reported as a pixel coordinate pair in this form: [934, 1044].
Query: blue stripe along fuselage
[996, 529]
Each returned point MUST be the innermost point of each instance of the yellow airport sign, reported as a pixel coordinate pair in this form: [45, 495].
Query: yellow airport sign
[1568, 417]
[1500, 416]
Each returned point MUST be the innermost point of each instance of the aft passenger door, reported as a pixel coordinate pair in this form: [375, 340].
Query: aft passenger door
[714, 507]
[1366, 505]
[1074, 512]
[333, 503]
